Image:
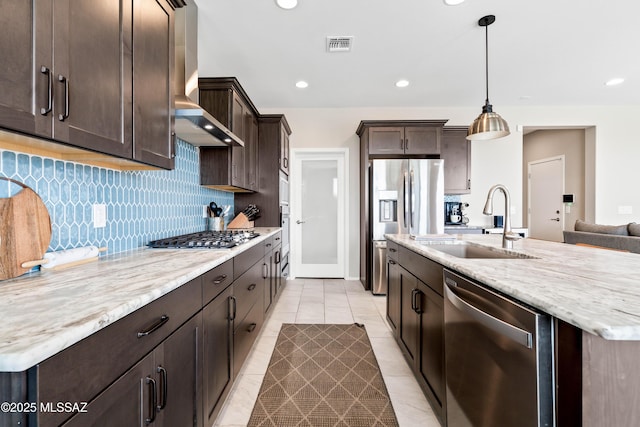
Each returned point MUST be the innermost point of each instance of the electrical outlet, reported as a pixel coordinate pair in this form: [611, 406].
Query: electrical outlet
[205, 214]
[99, 215]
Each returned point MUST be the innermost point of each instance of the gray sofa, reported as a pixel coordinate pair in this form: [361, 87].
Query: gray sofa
[621, 237]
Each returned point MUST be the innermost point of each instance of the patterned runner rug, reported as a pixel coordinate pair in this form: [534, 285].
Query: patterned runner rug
[323, 375]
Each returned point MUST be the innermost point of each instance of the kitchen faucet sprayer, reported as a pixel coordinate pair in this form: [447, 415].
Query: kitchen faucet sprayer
[508, 236]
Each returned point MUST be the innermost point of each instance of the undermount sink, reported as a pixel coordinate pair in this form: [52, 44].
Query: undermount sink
[467, 250]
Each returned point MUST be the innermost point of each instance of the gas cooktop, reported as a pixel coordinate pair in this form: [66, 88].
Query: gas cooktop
[205, 240]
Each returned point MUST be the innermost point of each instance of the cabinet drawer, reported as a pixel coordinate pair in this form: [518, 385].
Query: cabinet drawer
[216, 280]
[242, 262]
[277, 238]
[247, 288]
[424, 269]
[268, 245]
[245, 334]
[80, 372]
[392, 251]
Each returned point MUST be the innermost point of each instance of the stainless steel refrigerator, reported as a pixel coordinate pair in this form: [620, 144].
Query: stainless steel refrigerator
[407, 198]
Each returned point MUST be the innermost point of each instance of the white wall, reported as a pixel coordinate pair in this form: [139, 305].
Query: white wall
[617, 153]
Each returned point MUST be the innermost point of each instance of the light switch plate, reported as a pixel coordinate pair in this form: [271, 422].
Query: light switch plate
[99, 215]
[625, 210]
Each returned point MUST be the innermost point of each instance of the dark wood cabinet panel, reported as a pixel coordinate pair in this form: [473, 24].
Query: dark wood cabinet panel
[409, 140]
[273, 135]
[456, 152]
[178, 371]
[127, 402]
[245, 333]
[386, 140]
[431, 362]
[93, 93]
[73, 74]
[229, 168]
[415, 299]
[26, 52]
[153, 66]
[217, 359]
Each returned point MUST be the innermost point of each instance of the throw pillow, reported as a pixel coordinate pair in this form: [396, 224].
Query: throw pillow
[634, 229]
[618, 230]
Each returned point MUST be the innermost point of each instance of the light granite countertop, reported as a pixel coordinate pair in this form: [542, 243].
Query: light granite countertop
[596, 290]
[43, 313]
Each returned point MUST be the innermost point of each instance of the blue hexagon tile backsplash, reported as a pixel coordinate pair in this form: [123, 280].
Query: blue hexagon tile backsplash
[141, 205]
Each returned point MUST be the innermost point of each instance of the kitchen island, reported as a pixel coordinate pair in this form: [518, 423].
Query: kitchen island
[594, 292]
[71, 333]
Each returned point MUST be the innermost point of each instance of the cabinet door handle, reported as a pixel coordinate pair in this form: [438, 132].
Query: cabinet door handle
[153, 403]
[163, 387]
[157, 325]
[252, 327]
[49, 107]
[219, 279]
[278, 257]
[251, 287]
[65, 82]
[468, 184]
[265, 271]
[286, 163]
[406, 144]
[232, 308]
[418, 302]
[413, 299]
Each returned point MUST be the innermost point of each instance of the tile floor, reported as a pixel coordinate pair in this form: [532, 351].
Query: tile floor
[330, 301]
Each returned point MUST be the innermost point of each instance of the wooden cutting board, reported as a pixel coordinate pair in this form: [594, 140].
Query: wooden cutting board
[25, 230]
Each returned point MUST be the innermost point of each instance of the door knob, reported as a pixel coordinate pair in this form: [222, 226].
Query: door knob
[300, 222]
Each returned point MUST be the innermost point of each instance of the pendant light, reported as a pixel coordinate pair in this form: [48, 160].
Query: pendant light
[488, 125]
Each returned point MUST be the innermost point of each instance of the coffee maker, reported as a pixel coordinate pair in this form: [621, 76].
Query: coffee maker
[453, 214]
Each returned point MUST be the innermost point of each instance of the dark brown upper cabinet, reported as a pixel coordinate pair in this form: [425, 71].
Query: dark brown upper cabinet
[395, 138]
[274, 134]
[456, 152]
[87, 99]
[230, 168]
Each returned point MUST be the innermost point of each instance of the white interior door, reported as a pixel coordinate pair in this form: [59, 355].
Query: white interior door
[546, 187]
[318, 220]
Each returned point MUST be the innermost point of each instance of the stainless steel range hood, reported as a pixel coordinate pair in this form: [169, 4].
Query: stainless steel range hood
[193, 124]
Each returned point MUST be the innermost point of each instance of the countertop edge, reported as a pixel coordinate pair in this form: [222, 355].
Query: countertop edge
[48, 344]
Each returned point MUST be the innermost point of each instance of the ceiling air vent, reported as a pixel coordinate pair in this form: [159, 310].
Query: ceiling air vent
[339, 44]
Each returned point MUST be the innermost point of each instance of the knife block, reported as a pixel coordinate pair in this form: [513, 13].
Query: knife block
[240, 221]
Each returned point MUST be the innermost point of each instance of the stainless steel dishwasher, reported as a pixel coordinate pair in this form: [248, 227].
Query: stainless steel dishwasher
[498, 359]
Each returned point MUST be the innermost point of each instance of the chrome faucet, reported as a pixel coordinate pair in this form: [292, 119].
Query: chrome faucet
[508, 236]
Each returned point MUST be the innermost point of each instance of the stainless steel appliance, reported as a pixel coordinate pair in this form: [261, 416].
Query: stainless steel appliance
[407, 198]
[498, 359]
[205, 240]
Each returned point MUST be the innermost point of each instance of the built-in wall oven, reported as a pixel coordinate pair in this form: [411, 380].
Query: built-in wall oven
[498, 359]
[284, 222]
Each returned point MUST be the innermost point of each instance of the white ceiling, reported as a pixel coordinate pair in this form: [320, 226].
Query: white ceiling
[541, 52]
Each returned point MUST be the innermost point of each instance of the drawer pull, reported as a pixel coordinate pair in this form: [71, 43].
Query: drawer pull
[392, 250]
[163, 387]
[219, 279]
[163, 319]
[392, 262]
[251, 287]
[252, 327]
[152, 400]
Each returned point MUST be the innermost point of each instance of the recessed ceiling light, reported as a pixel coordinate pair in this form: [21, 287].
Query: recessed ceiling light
[402, 83]
[614, 82]
[453, 2]
[287, 4]
[302, 84]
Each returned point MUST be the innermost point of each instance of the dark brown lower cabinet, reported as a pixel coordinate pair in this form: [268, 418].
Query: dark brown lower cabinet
[418, 310]
[160, 390]
[217, 366]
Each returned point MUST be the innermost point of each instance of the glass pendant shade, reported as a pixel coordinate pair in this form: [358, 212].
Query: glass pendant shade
[488, 125]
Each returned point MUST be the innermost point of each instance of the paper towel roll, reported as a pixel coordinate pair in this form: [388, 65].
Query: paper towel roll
[70, 255]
